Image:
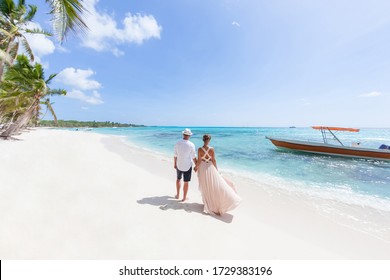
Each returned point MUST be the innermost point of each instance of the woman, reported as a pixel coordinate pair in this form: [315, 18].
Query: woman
[218, 197]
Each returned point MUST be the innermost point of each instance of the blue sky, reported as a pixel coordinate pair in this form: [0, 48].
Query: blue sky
[225, 63]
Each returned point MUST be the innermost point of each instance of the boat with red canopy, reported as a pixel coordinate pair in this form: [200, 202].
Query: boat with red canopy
[328, 148]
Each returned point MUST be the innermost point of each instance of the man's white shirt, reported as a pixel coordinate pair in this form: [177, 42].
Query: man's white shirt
[184, 152]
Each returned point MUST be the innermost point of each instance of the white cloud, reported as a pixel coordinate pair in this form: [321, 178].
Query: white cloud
[40, 44]
[78, 78]
[372, 94]
[138, 28]
[80, 81]
[236, 23]
[105, 35]
[94, 99]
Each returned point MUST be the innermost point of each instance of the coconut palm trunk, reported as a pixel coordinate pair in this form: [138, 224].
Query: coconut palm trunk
[9, 122]
[22, 120]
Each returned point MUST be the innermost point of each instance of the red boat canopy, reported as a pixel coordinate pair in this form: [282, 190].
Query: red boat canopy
[337, 128]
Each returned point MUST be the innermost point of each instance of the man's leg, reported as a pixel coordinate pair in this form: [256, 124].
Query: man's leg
[187, 179]
[177, 188]
[185, 190]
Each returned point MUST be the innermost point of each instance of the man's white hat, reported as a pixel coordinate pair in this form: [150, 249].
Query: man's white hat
[187, 131]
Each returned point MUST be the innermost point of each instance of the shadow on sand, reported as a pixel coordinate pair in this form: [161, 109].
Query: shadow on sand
[169, 202]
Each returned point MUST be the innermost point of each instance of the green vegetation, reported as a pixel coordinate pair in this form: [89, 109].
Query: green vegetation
[22, 92]
[23, 87]
[71, 123]
[14, 20]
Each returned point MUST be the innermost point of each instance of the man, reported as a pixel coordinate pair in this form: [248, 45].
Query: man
[183, 158]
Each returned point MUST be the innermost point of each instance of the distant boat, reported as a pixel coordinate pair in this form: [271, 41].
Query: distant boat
[292, 127]
[325, 148]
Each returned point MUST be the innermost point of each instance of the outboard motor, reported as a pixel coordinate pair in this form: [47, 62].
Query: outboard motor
[384, 147]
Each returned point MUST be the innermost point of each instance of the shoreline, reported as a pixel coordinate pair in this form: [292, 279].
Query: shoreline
[94, 196]
[358, 215]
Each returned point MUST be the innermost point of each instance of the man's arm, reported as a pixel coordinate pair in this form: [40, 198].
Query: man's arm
[194, 154]
[197, 161]
[175, 157]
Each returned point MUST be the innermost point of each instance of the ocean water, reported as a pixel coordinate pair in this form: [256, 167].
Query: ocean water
[246, 151]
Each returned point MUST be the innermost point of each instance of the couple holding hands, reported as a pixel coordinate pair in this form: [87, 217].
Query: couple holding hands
[218, 194]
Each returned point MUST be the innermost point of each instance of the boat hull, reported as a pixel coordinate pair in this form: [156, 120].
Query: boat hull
[328, 149]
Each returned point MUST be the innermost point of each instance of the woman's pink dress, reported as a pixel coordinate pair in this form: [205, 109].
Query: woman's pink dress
[218, 197]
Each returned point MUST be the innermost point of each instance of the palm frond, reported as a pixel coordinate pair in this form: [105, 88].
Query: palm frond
[67, 16]
[6, 6]
[13, 51]
[57, 92]
[51, 77]
[5, 33]
[21, 3]
[31, 13]
[51, 110]
[6, 57]
[38, 31]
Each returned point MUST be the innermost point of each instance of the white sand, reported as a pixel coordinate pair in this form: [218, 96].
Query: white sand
[79, 195]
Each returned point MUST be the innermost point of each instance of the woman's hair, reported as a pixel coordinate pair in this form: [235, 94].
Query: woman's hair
[206, 137]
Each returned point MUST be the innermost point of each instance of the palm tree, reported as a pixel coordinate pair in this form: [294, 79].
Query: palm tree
[37, 116]
[24, 85]
[13, 25]
[22, 92]
[67, 16]
[14, 17]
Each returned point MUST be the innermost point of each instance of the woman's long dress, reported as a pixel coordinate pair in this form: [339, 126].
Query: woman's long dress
[218, 197]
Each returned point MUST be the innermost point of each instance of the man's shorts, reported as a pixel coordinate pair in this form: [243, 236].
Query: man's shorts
[187, 174]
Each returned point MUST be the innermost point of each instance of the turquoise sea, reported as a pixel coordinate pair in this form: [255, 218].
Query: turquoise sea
[246, 151]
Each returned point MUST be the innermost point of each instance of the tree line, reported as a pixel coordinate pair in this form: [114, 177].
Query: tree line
[73, 123]
[24, 85]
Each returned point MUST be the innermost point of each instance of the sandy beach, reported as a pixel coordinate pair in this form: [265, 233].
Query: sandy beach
[81, 195]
